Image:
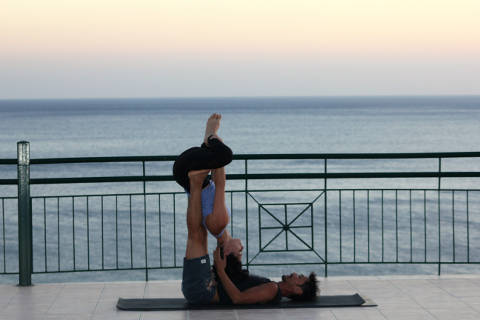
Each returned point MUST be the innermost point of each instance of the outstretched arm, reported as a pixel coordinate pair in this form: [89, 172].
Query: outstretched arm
[258, 294]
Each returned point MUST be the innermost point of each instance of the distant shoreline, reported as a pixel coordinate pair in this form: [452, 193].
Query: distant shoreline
[248, 97]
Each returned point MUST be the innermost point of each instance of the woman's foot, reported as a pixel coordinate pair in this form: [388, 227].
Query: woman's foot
[213, 124]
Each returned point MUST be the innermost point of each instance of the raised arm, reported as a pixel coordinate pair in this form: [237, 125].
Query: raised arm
[259, 294]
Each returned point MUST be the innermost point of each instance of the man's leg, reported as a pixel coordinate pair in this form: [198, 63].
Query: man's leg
[219, 218]
[198, 283]
[197, 234]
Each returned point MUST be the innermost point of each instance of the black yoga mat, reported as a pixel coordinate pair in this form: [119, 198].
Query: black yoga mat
[169, 304]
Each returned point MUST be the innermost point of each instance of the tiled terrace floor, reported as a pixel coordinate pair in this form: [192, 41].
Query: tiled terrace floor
[446, 297]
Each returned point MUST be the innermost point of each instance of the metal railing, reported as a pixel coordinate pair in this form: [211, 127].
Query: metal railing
[315, 225]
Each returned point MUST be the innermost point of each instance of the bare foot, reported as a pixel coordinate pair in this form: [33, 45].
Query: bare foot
[197, 177]
[213, 124]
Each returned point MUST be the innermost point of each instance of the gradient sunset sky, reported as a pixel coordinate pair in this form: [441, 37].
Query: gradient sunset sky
[205, 48]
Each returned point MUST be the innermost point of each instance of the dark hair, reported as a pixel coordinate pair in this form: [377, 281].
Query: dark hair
[309, 289]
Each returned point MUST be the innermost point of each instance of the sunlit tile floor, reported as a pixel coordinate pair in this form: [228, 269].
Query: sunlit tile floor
[409, 297]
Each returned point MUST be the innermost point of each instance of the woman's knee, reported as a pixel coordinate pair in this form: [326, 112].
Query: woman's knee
[217, 222]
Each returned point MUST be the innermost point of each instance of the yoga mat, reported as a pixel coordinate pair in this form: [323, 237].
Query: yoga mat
[169, 304]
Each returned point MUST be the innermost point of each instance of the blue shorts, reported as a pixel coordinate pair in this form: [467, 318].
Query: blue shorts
[208, 198]
[198, 282]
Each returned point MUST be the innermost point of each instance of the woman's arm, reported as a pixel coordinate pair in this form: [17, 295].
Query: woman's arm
[258, 294]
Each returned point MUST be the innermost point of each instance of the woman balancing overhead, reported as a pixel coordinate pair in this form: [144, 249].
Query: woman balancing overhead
[207, 211]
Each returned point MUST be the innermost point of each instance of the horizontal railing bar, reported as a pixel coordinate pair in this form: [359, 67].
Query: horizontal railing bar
[285, 250]
[350, 189]
[102, 159]
[281, 227]
[403, 262]
[303, 156]
[8, 273]
[8, 161]
[271, 228]
[354, 175]
[250, 264]
[306, 156]
[262, 176]
[286, 203]
[113, 194]
[8, 181]
[236, 191]
[106, 269]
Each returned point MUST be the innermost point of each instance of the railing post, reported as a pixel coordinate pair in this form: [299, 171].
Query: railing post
[25, 266]
[246, 211]
[325, 218]
[439, 217]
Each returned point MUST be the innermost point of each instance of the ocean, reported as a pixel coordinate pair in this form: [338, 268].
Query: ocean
[111, 127]
[167, 126]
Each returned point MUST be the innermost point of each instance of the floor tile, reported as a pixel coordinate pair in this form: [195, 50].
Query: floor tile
[431, 297]
[358, 313]
[79, 307]
[167, 315]
[455, 313]
[309, 314]
[261, 314]
[212, 314]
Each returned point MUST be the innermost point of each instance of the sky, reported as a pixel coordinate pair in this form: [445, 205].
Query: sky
[208, 48]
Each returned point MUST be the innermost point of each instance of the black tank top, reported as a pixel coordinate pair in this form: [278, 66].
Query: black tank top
[250, 282]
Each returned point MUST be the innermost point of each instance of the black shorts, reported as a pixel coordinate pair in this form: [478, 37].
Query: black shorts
[215, 156]
[198, 283]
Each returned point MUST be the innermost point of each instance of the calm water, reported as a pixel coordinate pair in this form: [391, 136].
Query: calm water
[111, 127]
[250, 125]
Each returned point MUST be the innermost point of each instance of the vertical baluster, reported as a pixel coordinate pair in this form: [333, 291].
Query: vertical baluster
[425, 222]
[383, 242]
[286, 223]
[45, 230]
[325, 166]
[73, 231]
[439, 218]
[116, 230]
[160, 229]
[3, 235]
[411, 236]
[368, 224]
[58, 232]
[145, 221]
[354, 231]
[311, 229]
[231, 214]
[174, 233]
[88, 233]
[260, 227]
[103, 242]
[396, 224]
[453, 223]
[246, 211]
[131, 233]
[468, 232]
[340, 220]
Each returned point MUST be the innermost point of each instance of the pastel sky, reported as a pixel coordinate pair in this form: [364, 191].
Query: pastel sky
[196, 48]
